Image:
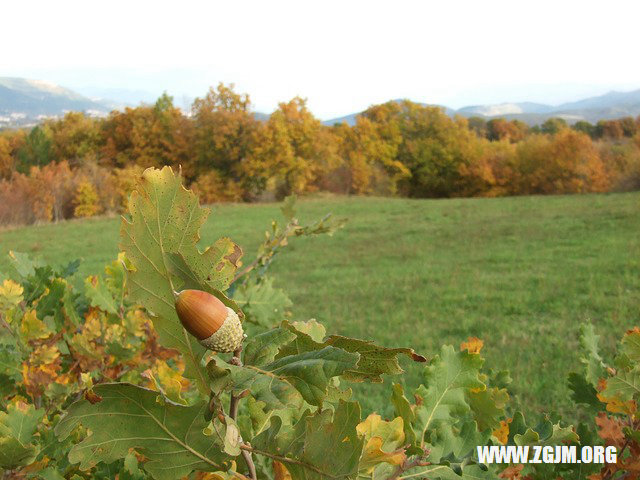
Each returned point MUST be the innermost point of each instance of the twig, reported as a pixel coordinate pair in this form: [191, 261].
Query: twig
[408, 465]
[252, 468]
[248, 448]
[233, 413]
[275, 243]
[6, 325]
[235, 399]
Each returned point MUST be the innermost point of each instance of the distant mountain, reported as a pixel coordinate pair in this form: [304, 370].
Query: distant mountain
[607, 101]
[604, 107]
[27, 102]
[24, 101]
[118, 97]
[505, 109]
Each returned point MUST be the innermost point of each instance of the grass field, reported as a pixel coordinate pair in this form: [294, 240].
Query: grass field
[521, 273]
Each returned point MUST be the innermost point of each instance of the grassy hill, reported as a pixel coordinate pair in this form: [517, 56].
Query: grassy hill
[522, 273]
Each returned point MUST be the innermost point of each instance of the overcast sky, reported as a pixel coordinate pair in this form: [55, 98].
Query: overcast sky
[343, 56]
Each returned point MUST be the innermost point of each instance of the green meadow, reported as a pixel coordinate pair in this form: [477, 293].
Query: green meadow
[522, 273]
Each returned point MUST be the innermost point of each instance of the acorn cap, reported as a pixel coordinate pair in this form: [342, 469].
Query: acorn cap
[204, 316]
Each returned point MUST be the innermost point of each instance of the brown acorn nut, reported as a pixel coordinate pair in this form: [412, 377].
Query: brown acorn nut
[204, 316]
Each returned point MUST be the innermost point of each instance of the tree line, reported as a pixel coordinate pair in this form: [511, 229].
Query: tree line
[78, 166]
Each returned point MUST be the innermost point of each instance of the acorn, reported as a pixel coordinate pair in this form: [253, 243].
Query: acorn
[204, 316]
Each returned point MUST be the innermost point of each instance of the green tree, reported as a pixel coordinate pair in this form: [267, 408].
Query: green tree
[430, 145]
[585, 127]
[37, 149]
[553, 125]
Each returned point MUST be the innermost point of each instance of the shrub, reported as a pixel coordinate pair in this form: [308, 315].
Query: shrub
[86, 200]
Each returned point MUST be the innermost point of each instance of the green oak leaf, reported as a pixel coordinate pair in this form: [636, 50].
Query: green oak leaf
[261, 302]
[518, 426]
[583, 392]
[488, 406]
[23, 264]
[262, 349]
[448, 379]
[107, 293]
[10, 360]
[403, 409]
[50, 473]
[455, 441]
[17, 428]
[130, 469]
[275, 392]
[595, 367]
[49, 302]
[374, 360]
[631, 346]
[99, 295]
[624, 385]
[545, 433]
[278, 383]
[561, 435]
[335, 392]
[324, 445]
[127, 416]
[164, 228]
[312, 328]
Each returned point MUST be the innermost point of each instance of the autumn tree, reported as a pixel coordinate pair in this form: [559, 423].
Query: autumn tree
[54, 188]
[491, 174]
[430, 145]
[225, 132]
[74, 138]
[567, 162]
[502, 129]
[553, 125]
[147, 136]
[479, 125]
[6, 160]
[585, 127]
[86, 201]
[369, 157]
[621, 160]
[293, 150]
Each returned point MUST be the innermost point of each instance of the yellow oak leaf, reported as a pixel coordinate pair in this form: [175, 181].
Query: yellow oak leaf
[384, 442]
[280, 471]
[44, 354]
[93, 324]
[615, 405]
[167, 380]
[502, 432]
[32, 328]
[472, 345]
[10, 294]
[373, 454]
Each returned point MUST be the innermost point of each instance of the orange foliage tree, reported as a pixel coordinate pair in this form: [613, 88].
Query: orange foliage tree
[224, 135]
